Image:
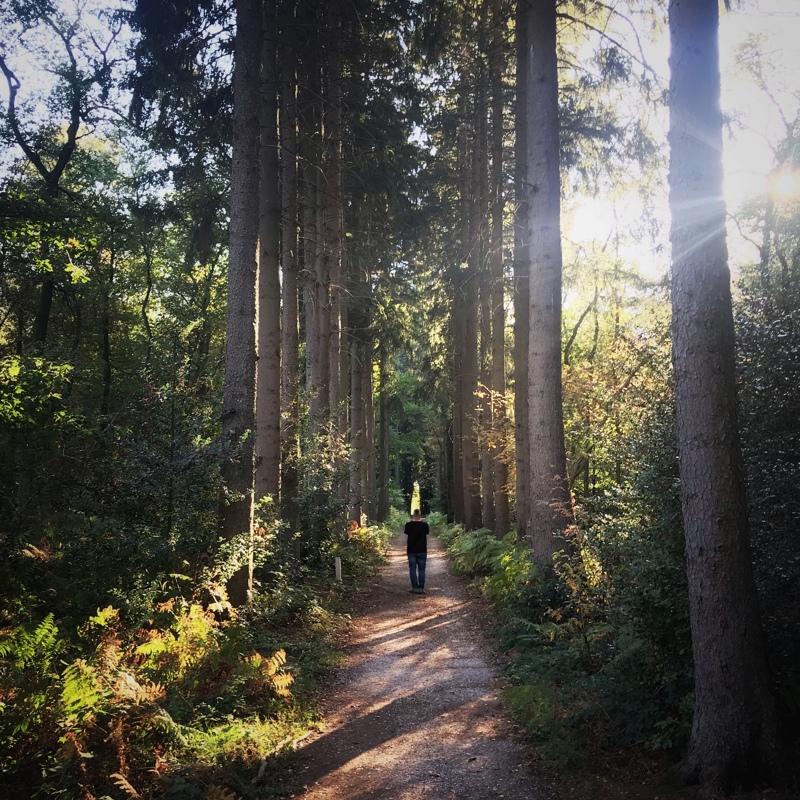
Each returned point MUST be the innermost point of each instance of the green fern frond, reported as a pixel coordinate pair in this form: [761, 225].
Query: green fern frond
[104, 617]
[81, 691]
[26, 647]
[154, 647]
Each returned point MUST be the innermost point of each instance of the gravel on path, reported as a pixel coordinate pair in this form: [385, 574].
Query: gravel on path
[415, 711]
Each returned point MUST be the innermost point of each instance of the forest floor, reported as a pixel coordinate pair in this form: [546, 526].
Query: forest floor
[416, 710]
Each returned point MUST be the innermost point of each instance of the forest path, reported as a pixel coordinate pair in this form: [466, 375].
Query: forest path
[415, 711]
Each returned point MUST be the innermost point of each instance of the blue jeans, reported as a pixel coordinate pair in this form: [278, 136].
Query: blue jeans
[416, 568]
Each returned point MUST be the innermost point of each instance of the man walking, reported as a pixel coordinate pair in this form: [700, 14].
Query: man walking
[417, 548]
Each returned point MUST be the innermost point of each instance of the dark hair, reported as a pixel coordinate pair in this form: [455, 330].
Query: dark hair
[416, 511]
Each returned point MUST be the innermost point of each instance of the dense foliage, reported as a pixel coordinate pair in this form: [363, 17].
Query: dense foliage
[124, 669]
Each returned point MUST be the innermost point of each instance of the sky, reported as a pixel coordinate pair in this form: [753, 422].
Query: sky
[754, 127]
[747, 155]
[755, 121]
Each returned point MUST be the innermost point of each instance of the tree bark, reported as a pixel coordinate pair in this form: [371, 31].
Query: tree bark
[521, 280]
[290, 334]
[369, 428]
[238, 415]
[382, 513]
[358, 406]
[334, 223]
[468, 298]
[458, 316]
[480, 224]
[312, 230]
[105, 333]
[734, 741]
[358, 316]
[499, 463]
[550, 505]
[268, 381]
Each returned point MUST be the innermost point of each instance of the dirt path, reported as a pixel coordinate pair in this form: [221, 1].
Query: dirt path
[415, 711]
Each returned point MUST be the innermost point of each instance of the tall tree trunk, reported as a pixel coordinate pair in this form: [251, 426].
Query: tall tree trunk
[382, 513]
[521, 279]
[457, 493]
[499, 466]
[105, 332]
[358, 325]
[321, 398]
[458, 315]
[358, 411]
[734, 741]
[480, 223]
[383, 444]
[467, 297]
[334, 233]
[369, 444]
[268, 401]
[290, 334]
[42, 318]
[313, 268]
[238, 414]
[356, 426]
[469, 386]
[550, 504]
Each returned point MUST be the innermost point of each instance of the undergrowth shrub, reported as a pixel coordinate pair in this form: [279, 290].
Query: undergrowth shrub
[192, 695]
[598, 649]
[474, 552]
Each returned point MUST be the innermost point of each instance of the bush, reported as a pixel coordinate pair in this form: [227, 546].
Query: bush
[600, 645]
[190, 696]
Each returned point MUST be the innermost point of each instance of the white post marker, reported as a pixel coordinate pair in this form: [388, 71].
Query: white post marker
[337, 562]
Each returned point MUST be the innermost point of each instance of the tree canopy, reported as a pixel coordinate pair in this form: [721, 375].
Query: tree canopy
[266, 266]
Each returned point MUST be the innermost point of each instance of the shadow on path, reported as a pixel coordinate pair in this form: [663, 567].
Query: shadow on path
[414, 712]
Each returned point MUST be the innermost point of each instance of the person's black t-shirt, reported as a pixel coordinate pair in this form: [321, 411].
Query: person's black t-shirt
[417, 533]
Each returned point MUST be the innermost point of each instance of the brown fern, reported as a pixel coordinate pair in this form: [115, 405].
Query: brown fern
[122, 783]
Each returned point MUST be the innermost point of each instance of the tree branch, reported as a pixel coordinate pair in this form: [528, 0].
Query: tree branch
[13, 87]
[638, 59]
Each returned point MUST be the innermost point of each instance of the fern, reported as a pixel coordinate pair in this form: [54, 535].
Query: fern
[122, 782]
[105, 617]
[25, 647]
[153, 648]
[81, 691]
[268, 672]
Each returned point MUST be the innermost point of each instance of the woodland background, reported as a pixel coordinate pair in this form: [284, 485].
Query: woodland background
[164, 623]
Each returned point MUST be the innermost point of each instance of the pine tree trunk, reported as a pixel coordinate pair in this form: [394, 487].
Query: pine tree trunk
[105, 332]
[314, 270]
[499, 464]
[734, 741]
[268, 382]
[480, 157]
[550, 504]
[238, 415]
[290, 334]
[369, 427]
[458, 317]
[358, 324]
[321, 398]
[470, 457]
[471, 475]
[521, 281]
[382, 513]
[358, 421]
[334, 233]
